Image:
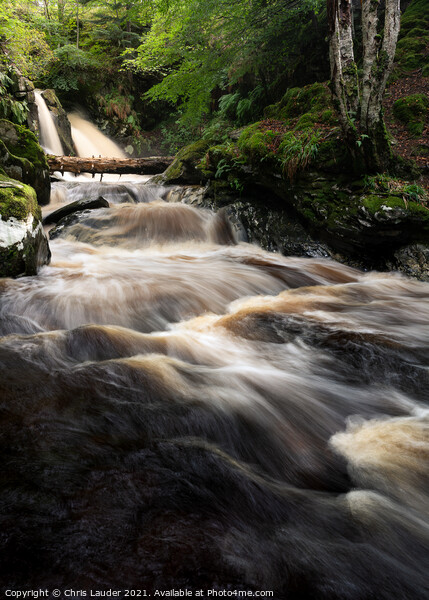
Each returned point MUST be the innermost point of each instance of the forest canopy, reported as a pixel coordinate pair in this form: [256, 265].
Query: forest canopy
[188, 49]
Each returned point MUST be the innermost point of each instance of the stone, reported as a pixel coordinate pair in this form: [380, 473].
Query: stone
[74, 207]
[412, 260]
[24, 246]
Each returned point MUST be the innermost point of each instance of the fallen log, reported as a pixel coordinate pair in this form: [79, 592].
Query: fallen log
[140, 166]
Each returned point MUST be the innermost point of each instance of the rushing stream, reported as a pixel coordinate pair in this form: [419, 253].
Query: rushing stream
[182, 410]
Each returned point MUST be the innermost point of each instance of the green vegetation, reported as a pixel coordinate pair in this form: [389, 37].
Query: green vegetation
[384, 185]
[411, 51]
[193, 45]
[413, 112]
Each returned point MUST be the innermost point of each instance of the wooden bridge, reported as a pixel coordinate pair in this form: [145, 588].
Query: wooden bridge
[140, 166]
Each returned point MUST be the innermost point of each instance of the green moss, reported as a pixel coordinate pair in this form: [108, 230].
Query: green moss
[276, 111]
[417, 32]
[414, 37]
[412, 44]
[307, 120]
[256, 143]
[22, 143]
[311, 98]
[17, 200]
[412, 111]
[328, 117]
[408, 25]
[374, 202]
[185, 165]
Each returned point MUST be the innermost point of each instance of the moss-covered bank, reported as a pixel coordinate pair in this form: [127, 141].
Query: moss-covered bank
[23, 159]
[295, 161]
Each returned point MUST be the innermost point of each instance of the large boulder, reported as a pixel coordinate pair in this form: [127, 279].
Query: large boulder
[61, 120]
[22, 158]
[185, 167]
[23, 243]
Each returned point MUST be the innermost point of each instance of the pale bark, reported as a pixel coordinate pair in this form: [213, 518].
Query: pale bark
[74, 164]
[342, 62]
[369, 132]
[385, 58]
[370, 44]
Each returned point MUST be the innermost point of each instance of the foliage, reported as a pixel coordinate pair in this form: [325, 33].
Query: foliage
[297, 151]
[26, 46]
[196, 47]
[176, 135]
[71, 68]
[10, 108]
[287, 150]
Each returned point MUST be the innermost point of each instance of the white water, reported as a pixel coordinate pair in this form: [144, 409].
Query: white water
[89, 141]
[49, 138]
[180, 409]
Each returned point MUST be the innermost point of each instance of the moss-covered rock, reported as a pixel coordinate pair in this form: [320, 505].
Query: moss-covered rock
[185, 167]
[413, 112]
[22, 158]
[411, 50]
[312, 100]
[23, 243]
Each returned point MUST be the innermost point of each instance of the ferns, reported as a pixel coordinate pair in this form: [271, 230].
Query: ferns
[5, 82]
[298, 150]
[228, 105]
[11, 109]
[242, 110]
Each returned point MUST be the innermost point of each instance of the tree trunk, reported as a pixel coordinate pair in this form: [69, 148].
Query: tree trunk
[75, 164]
[378, 62]
[343, 66]
[361, 116]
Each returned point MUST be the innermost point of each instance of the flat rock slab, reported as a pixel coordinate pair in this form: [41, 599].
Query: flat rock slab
[73, 207]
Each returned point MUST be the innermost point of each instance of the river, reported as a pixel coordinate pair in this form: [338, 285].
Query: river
[183, 410]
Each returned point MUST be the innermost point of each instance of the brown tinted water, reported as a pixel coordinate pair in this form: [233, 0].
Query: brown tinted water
[182, 410]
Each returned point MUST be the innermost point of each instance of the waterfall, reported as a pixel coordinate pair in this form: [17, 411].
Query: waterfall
[49, 138]
[89, 141]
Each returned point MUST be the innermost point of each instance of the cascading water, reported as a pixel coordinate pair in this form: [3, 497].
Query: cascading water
[181, 410]
[90, 141]
[49, 138]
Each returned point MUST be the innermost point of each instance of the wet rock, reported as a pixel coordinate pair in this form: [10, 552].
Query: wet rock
[66, 222]
[23, 244]
[73, 207]
[412, 260]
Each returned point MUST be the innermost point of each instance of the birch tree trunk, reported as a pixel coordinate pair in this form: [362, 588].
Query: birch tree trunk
[360, 104]
[343, 67]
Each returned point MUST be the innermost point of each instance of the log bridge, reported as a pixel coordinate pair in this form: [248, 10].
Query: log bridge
[140, 166]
